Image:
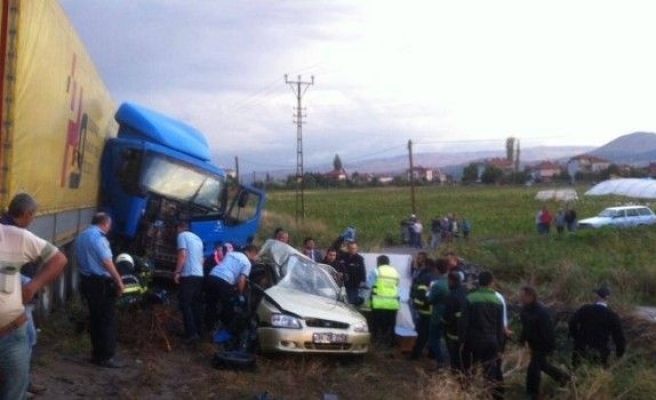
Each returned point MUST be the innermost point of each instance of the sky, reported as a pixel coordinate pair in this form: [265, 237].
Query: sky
[448, 75]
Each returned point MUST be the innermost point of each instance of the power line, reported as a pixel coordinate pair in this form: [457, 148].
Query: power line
[299, 88]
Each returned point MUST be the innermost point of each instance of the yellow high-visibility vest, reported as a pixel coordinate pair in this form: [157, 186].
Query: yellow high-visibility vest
[385, 292]
[420, 302]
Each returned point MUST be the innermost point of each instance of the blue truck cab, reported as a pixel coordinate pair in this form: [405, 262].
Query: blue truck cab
[157, 171]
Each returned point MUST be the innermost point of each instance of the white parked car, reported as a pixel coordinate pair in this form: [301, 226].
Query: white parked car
[625, 216]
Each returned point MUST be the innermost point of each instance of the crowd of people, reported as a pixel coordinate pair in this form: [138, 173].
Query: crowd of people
[459, 311]
[564, 219]
[459, 316]
[443, 230]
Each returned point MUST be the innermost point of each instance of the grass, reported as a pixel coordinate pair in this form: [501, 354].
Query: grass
[564, 270]
[504, 239]
[503, 236]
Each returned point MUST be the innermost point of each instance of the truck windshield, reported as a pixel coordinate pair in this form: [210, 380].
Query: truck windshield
[181, 182]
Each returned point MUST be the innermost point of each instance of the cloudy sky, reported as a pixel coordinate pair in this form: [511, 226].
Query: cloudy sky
[448, 75]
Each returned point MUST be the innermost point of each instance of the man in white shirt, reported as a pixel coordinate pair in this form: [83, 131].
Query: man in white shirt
[17, 247]
[189, 275]
[227, 283]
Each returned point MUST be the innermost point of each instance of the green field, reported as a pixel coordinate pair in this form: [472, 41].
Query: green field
[504, 237]
[564, 271]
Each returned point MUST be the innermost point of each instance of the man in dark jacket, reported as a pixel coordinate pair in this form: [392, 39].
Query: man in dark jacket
[538, 332]
[592, 326]
[455, 303]
[481, 332]
[356, 275]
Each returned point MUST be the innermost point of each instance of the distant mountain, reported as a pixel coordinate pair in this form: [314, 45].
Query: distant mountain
[450, 162]
[634, 148]
[453, 161]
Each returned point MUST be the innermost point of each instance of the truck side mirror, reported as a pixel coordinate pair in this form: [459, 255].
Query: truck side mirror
[243, 199]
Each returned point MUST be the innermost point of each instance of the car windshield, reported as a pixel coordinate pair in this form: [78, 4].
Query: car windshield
[608, 213]
[296, 271]
[181, 182]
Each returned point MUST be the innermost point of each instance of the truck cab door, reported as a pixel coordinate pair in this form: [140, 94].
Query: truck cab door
[240, 222]
[245, 206]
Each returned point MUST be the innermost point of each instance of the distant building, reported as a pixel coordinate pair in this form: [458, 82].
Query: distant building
[507, 166]
[586, 163]
[421, 173]
[385, 179]
[651, 169]
[336, 174]
[362, 177]
[545, 171]
[440, 177]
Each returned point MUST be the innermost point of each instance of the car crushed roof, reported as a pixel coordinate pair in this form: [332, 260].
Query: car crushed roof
[296, 271]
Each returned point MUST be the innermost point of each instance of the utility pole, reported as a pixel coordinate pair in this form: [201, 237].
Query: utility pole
[237, 170]
[412, 179]
[299, 88]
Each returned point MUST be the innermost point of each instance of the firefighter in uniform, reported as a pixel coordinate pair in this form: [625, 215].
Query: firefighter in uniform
[384, 300]
[422, 307]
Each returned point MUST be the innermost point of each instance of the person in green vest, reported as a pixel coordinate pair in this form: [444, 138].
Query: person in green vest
[385, 301]
[437, 295]
[481, 333]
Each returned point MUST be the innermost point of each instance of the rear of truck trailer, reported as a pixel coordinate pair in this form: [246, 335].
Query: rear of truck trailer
[56, 115]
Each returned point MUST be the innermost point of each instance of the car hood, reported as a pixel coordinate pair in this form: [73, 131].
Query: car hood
[311, 306]
[596, 221]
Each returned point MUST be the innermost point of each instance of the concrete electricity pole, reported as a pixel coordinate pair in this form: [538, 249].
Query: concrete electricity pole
[412, 179]
[237, 170]
[299, 88]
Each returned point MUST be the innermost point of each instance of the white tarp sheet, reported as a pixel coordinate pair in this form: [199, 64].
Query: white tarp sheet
[630, 187]
[557, 194]
[402, 263]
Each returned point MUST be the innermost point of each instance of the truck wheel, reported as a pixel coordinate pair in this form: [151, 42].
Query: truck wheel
[44, 303]
[60, 291]
[73, 273]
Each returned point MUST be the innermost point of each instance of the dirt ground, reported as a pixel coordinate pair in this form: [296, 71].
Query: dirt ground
[61, 363]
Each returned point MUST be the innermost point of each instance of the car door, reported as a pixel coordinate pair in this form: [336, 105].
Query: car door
[646, 216]
[619, 219]
[632, 217]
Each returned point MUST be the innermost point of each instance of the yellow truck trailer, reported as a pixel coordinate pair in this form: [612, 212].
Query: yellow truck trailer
[56, 114]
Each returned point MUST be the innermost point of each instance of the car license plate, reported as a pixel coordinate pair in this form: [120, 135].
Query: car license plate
[328, 338]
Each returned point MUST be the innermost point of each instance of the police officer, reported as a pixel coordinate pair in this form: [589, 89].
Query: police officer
[538, 333]
[189, 275]
[100, 285]
[384, 300]
[592, 327]
[227, 283]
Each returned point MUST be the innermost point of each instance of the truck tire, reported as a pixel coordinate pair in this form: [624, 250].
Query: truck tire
[44, 303]
[60, 291]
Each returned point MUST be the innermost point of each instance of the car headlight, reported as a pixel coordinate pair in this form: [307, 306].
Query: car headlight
[361, 327]
[285, 321]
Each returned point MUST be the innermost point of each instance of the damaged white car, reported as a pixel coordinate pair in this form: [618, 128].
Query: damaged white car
[301, 307]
